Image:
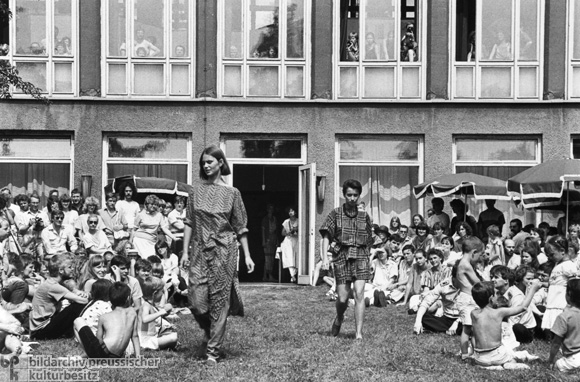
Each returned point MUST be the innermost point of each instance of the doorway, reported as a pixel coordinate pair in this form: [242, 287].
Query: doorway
[261, 185]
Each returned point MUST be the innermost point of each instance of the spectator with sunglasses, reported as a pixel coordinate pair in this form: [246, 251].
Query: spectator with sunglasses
[58, 238]
[95, 240]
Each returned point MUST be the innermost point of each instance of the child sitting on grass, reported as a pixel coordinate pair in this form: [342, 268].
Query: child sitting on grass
[385, 274]
[486, 328]
[155, 332]
[115, 329]
[566, 331]
[98, 305]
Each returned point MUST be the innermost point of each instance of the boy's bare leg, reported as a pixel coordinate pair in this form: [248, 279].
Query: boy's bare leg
[465, 335]
[168, 341]
[359, 306]
[79, 322]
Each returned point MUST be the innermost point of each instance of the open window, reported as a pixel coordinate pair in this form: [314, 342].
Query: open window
[497, 49]
[379, 49]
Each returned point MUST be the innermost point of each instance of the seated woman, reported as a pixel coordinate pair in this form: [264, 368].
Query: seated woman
[463, 231]
[94, 269]
[89, 208]
[70, 214]
[423, 240]
[147, 225]
[15, 292]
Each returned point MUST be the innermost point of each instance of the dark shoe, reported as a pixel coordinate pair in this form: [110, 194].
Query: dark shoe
[335, 327]
[367, 302]
[377, 301]
[382, 299]
[411, 312]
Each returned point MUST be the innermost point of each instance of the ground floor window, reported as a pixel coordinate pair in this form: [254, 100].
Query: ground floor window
[161, 155]
[501, 159]
[36, 164]
[387, 168]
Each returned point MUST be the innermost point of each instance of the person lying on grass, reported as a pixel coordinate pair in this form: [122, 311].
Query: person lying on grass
[486, 326]
[115, 329]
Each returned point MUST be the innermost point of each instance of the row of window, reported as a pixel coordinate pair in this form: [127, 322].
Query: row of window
[264, 48]
[387, 166]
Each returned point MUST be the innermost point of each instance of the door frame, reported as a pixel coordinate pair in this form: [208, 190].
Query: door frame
[306, 228]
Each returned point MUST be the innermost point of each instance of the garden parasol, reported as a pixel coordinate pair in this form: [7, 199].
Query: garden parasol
[465, 183]
[547, 185]
[164, 188]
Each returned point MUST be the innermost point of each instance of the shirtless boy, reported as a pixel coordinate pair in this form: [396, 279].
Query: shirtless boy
[486, 327]
[472, 249]
[115, 329]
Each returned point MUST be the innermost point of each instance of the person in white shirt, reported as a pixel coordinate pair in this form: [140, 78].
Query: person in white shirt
[30, 223]
[127, 207]
[56, 237]
[95, 240]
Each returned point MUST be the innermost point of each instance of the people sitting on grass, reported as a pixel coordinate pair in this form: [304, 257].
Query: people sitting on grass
[155, 332]
[16, 292]
[10, 332]
[438, 312]
[98, 305]
[397, 290]
[565, 332]
[416, 282]
[115, 329]
[119, 271]
[385, 274]
[488, 348]
[94, 269]
[48, 319]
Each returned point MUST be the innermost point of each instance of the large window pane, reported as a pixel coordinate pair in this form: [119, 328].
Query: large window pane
[496, 83]
[380, 43]
[63, 78]
[169, 171]
[528, 32]
[576, 32]
[149, 29]
[349, 31]
[264, 148]
[411, 82]
[378, 150]
[348, 83]
[263, 81]
[164, 146]
[63, 37]
[386, 190]
[179, 28]
[180, 79]
[294, 81]
[465, 11]
[117, 79]
[233, 80]
[496, 150]
[379, 82]
[295, 29]
[33, 72]
[464, 82]
[233, 34]
[496, 22]
[44, 148]
[26, 178]
[264, 35]
[30, 19]
[148, 79]
[528, 82]
[117, 28]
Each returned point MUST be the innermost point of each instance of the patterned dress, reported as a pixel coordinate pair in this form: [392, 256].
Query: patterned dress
[217, 215]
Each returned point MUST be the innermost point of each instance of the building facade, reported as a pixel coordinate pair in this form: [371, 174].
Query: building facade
[300, 94]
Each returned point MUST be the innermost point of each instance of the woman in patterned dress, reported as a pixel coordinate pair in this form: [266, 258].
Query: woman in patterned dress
[215, 218]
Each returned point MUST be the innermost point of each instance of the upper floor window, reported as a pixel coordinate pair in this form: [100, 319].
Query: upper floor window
[149, 48]
[41, 41]
[497, 49]
[263, 48]
[379, 49]
[574, 50]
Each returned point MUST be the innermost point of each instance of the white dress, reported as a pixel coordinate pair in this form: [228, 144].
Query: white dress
[289, 245]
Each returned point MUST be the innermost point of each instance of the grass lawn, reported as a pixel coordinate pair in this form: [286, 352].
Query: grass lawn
[285, 337]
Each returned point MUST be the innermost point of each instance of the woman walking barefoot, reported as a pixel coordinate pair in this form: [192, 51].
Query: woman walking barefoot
[215, 217]
[347, 233]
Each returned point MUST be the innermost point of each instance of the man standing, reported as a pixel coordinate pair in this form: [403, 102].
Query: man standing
[491, 216]
[30, 222]
[8, 197]
[76, 199]
[517, 235]
[439, 215]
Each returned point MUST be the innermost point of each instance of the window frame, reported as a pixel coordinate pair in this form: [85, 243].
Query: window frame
[515, 65]
[397, 65]
[131, 62]
[266, 137]
[50, 59]
[42, 160]
[106, 160]
[419, 162]
[282, 63]
[571, 63]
